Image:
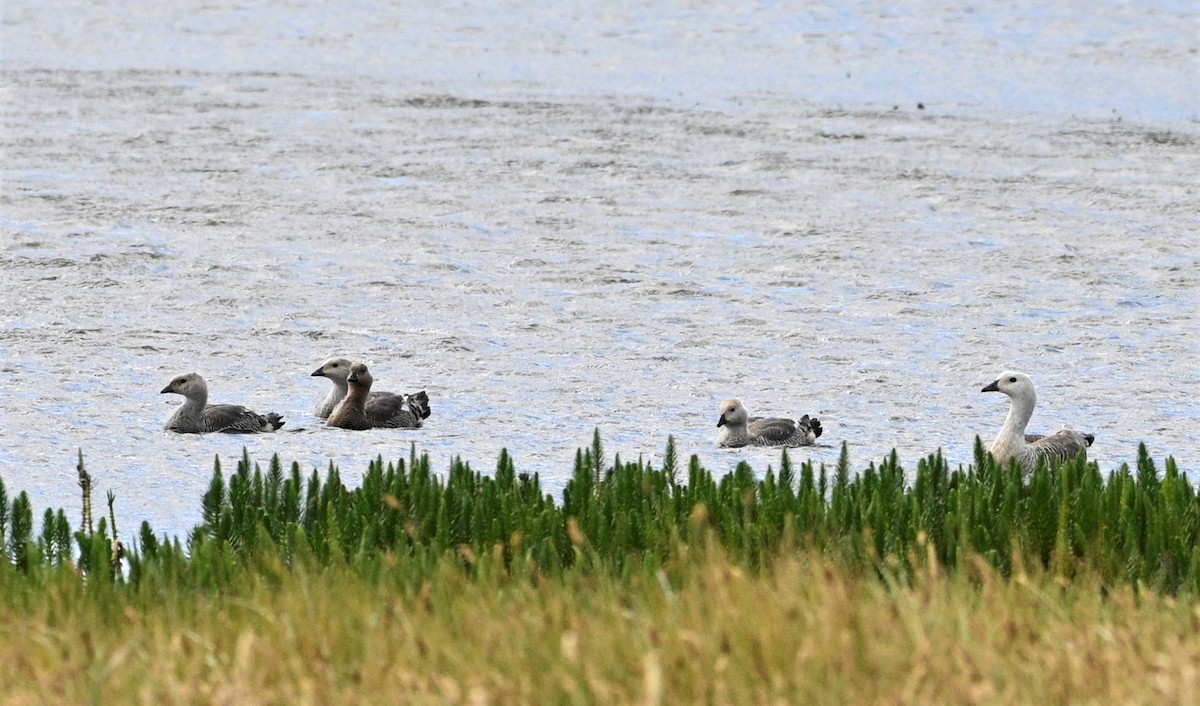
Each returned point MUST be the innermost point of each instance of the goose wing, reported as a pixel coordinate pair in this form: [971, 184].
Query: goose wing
[233, 419]
[771, 429]
[385, 409]
[1064, 444]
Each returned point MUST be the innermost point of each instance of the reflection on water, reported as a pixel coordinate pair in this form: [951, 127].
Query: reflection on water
[548, 257]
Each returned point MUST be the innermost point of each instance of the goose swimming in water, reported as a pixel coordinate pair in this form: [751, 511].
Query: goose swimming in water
[196, 416]
[1013, 442]
[383, 409]
[359, 410]
[738, 428]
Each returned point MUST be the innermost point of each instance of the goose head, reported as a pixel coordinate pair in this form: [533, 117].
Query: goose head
[337, 369]
[188, 385]
[732, 413]
[1015, 385]
[360, 376]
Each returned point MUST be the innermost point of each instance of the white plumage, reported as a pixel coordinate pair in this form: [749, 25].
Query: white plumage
[1013, 442]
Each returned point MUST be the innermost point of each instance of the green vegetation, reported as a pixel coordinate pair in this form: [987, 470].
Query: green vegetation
[646, 584]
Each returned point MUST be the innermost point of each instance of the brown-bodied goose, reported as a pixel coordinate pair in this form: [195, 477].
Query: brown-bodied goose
[1013, 442]
[383, 409]
[196, 416]
[738, 428]
[359, 410]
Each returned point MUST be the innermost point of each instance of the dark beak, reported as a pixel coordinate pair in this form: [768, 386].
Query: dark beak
[994, 387]
[721, 421]
[353, 377]
[319, 372]
[165, 390]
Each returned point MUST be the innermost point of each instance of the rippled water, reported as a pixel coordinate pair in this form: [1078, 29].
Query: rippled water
[556, 218]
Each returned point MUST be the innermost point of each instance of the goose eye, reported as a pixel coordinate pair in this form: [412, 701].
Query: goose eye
[1012, 379]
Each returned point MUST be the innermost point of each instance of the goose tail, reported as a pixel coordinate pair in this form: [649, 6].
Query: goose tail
[418, 404]
[812, 425]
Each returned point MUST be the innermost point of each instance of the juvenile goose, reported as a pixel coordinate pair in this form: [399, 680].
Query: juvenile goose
[1013, 442]
[360, 410]
[738, 428]
[196, 416]
[384, 409]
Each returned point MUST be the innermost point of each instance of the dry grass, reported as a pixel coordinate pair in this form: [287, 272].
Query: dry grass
[702, 631]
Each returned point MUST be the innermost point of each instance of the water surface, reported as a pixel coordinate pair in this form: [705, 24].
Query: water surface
[556, 218]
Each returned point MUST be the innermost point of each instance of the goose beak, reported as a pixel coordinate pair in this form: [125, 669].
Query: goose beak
[353, 377]
[721, 421]
[319, 372]
[165, 390]
[993, 387]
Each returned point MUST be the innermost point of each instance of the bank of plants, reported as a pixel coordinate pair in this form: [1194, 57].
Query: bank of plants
[1134, 526]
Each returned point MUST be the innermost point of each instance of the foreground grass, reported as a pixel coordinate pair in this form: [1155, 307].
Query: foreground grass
[701, 630]
[968, 585]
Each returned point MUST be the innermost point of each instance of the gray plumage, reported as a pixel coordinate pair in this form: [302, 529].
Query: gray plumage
[382, 409]
[1012, 441]
[196, 416]
[358, 410]
[738, 428]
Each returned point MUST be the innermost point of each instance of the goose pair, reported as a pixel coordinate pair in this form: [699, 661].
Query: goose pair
[352, 405]
[349, 405]
[738, 428]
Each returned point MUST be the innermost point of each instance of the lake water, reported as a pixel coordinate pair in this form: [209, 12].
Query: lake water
[555, 217]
